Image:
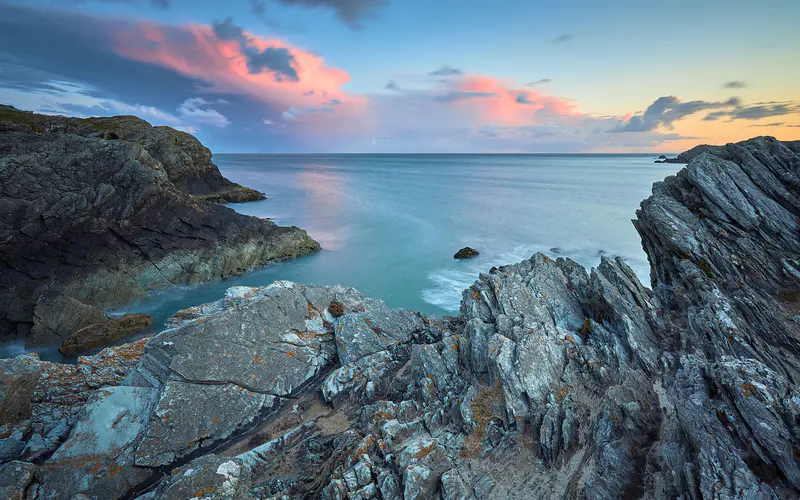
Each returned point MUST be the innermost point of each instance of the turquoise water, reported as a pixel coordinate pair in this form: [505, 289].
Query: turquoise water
[390, 224]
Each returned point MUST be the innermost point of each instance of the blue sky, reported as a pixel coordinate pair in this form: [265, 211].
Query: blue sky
[598, 64]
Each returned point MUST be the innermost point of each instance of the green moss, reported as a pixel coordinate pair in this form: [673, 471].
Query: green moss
[705, 266]
[585, 329]
[13, 115]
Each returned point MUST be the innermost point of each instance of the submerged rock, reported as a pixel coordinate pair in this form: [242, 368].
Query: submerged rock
[553, 381]
[96, 212]
[466, 253]
[101, 334]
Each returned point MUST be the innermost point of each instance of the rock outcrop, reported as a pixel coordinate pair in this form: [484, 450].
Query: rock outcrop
[96, 212]
[104, 333]
[466, 253]
[553, 382]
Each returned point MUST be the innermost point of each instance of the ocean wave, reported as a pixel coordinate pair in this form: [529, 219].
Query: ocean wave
[447, 284]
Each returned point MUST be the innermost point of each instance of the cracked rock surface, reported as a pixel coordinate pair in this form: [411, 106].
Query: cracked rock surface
[552, 382]
[95, 212]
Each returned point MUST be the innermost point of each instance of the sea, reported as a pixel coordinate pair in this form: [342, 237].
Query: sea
[389, 224]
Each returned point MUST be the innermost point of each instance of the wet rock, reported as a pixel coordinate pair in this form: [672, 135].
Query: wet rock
[466, 253]
[56, 316]
[98, 335]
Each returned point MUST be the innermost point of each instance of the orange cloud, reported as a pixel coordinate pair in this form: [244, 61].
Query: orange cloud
[314, 99]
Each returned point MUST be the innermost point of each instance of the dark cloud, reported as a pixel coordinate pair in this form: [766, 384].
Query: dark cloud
[735, 84]
[776, 124]
[278, 60]
[666, 110]
[351, 12]
[461, 96]
[538, 82]
[563, 38]
[756, 111]
[446, 70]
[763, 111]
[391, 85]
[523, 99]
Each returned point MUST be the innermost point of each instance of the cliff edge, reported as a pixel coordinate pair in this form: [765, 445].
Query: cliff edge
[95, 212]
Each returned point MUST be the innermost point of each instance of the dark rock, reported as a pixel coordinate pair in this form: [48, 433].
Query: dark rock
[92, 223]
[336, 309]
[466, 253]
[105, 333]
[662, 157]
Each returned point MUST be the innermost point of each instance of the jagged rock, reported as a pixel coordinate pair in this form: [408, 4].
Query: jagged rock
[92, 223]
[553, 382]
[466, 253]
[100, 334]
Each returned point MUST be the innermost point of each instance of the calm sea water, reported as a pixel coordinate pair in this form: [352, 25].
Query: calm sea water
[390, 224]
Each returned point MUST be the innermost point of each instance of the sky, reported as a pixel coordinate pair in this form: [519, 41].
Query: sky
[375, 76]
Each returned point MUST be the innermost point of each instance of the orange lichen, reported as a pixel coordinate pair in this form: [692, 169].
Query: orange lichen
[748, 389]
[481, 405]
[424, 451]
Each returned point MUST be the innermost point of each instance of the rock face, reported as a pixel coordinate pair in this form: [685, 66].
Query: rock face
[100, 334]
[96, 212]
[553, 382]
[466, 253]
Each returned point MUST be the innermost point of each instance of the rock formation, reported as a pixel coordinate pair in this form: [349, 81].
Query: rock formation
[553, 382]
[104, 333]
[95, 212]
[466, 253]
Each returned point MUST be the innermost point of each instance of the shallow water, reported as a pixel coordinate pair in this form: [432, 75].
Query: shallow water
[390, 224]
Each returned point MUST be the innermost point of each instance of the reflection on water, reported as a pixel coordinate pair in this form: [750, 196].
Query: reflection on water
[389, 224]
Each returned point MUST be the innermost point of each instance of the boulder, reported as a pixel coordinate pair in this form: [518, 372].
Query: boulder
[466, 253]
[104, 333]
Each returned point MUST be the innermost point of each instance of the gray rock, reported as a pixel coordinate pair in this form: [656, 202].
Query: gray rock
[11, 449]
[98, 457]
[15, 477]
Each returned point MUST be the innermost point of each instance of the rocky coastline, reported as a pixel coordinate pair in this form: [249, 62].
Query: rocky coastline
[552, 382]
[97, 212]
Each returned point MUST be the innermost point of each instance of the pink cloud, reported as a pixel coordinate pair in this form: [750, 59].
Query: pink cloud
[511, 105]
[196, 51]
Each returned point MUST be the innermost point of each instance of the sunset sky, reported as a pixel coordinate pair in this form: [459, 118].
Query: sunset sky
[415, 75]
